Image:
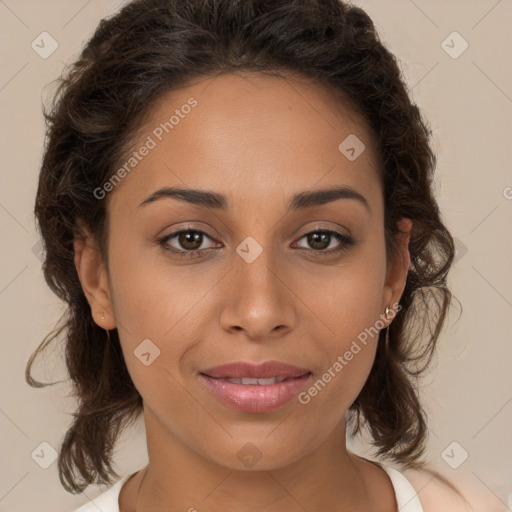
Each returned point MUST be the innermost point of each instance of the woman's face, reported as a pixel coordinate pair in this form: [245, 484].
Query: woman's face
[260, 287]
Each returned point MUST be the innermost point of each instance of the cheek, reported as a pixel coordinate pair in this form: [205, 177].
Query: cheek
[146, 293]
[348, 356]
[158, 309]
[348, 302]
[348, 298]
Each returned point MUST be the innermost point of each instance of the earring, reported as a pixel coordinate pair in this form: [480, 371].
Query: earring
[388, 310]
[103, 315]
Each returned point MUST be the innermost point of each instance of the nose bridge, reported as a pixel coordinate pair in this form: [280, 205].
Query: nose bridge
[255, 272]
[259, 300]
[260, 274]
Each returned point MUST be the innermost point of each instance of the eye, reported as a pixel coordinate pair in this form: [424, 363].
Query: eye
[189, 242]
[320, 241]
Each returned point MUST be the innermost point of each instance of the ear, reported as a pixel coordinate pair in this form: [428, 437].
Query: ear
[397, 269]
[94, 278]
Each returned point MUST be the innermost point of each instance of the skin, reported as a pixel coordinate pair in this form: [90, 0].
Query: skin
[258, 140]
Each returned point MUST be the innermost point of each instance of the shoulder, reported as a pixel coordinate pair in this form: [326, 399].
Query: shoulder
[436, 493]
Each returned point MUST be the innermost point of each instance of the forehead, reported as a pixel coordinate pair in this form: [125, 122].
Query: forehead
[250, 134]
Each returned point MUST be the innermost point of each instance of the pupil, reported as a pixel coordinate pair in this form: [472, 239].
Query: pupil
[324, 237]
[190, 237]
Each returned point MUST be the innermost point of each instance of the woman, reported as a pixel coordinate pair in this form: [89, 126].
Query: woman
[236, 205]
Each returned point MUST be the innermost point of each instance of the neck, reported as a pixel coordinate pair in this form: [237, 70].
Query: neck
[182, 478]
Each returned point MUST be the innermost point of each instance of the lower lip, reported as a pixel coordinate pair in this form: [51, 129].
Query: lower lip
[255, 398]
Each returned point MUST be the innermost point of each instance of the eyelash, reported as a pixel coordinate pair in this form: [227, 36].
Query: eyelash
[347, 242]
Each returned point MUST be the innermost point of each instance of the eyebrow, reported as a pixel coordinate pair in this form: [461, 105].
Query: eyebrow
[214, 200]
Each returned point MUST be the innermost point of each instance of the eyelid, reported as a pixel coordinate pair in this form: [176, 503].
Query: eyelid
[184, 229]
[345, 240]
[322, 226]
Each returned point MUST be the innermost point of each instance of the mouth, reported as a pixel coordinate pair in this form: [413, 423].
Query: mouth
[255, 388]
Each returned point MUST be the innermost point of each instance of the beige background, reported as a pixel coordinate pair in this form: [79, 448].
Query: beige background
[468, 101]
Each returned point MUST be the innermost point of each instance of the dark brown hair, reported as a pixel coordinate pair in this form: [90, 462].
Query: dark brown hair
[154, 46]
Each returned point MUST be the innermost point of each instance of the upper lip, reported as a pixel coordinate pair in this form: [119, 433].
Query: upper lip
[263, 370]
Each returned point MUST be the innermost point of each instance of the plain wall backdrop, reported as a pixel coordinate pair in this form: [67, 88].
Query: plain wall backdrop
[456, 57]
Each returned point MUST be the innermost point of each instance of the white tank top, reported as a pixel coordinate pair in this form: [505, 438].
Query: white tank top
[406, 496]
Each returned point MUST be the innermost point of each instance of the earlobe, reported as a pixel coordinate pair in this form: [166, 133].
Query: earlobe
[94, 279]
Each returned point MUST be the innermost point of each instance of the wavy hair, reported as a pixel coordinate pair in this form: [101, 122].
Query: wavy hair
[151, 47]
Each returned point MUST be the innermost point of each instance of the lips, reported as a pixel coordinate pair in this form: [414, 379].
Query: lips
[255, 388]
[259, 398]
[247, 370]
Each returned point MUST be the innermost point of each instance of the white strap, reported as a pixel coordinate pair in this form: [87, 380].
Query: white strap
[406, 496]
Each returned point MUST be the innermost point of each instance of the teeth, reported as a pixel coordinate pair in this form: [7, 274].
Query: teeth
[256, 382]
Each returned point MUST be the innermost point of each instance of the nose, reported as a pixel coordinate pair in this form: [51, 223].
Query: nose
[259, 300]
